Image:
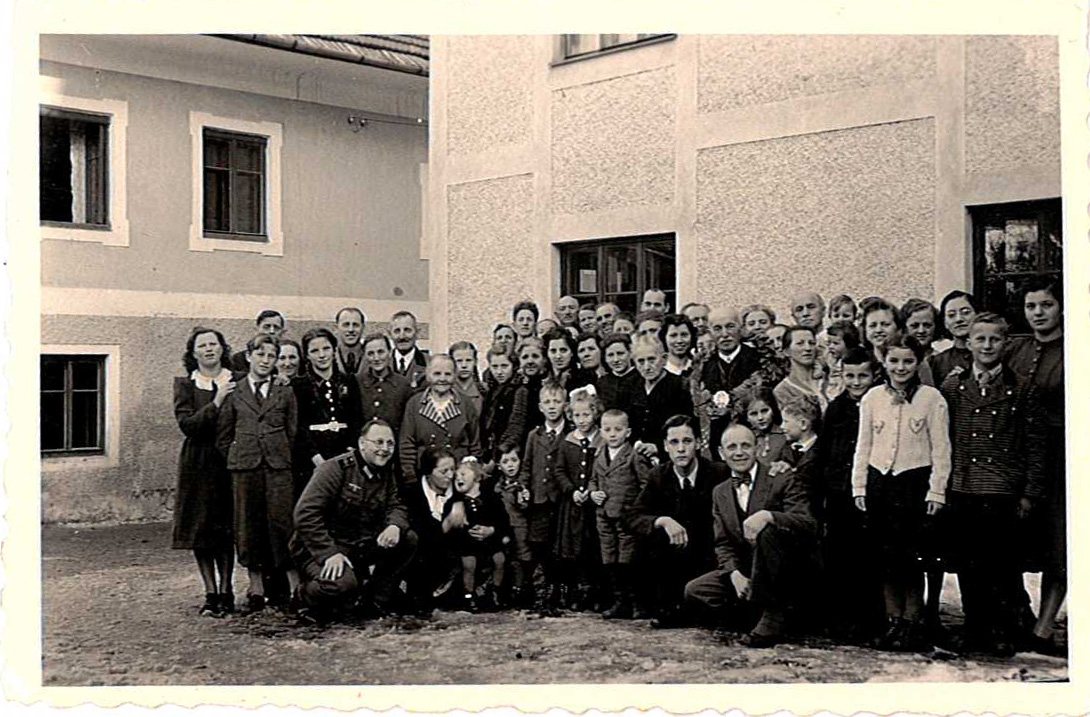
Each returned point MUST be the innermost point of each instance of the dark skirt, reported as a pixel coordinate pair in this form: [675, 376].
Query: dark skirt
[897, 519]
[576, 530]
[1046, 528]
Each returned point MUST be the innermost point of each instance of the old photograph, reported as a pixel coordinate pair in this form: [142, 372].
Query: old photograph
[664, 358]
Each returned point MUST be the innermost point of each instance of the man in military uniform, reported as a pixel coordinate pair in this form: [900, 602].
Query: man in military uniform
[349, 518]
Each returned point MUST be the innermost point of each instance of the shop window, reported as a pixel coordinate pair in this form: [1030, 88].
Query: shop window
[580, 46]
[619, 270]
[73, 404]
[1011, 243]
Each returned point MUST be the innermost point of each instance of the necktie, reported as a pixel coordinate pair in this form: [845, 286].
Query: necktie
[257, 390]
[401, 364]
[686, 484]
[350, 362]
[551, 435]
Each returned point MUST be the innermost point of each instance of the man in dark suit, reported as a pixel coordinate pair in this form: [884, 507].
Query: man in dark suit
[409, 360]
[732, 364]
[656, 398]
[267, 322]
[671, 519]
[349, 518]
[765, 540]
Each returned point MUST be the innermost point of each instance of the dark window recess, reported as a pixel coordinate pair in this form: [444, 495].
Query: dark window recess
[583, 45]
[619, 270]
[234, 185]
[1011, 243]
[73, 168]
[73, 412]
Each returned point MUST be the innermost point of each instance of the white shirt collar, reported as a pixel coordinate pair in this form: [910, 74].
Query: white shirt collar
[989, 374]
[205, 382]
[431, 495]
[804, 446]
[253, 384]
[557, 427]
[732, 355]
[691, 478]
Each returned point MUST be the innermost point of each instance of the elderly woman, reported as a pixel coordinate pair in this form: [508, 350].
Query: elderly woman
[437, 417]
[203, 499]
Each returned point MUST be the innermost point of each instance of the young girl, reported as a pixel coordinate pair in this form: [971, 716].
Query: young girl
[899, 476]
[503, 411]
[255, 432]
[677, 334]
[761, 412]
[515, 496]
[287, 363]
[466, 381]
[842, 338]
[560, 350]
[202, 501]
[881, 324]
[576, 535]
[957, 311]
[800, 346]
[476, 525]
[920, 323]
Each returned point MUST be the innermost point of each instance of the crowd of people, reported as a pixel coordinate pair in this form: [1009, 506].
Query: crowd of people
[711, 466]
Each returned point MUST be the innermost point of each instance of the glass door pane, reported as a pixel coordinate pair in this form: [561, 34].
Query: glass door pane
[621, 269]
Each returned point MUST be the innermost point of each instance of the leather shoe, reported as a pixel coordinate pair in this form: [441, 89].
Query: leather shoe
[760, 640]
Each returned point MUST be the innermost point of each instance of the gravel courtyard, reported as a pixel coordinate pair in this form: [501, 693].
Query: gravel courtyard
[120, 608]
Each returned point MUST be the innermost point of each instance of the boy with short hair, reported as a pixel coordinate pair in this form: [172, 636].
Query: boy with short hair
[801, 424]
[538, 476]
[998, 475]
[619, 475]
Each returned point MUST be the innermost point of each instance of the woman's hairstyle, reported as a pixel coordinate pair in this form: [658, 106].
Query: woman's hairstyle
[377, 336]
[445, 357]
[429, 461]
[616, 338]
[677, 320]
[318, 333]
[911, 306]
[842, 300]
[754, 308]
[471, 464]
[559, 334]
[848, 333]
[649, 315]
[292, 342]
[189, 361]
[509, 327]
[524, 342]
[525, 305]
[880, 304]
[588, 336]
[502, 350]
[763, 394]
[940, 320]
[789, 333]
[865, 304]
[260, 340]
[1052, 284]
[624, 316]
[462, 346]
[906, 341]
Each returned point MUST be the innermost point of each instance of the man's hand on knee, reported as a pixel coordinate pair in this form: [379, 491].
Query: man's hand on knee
[333, 567]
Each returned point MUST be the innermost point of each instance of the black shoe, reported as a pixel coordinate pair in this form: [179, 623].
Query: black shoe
[620, 610]
[893, 639]
[916, 638]
[760, 640]
[640, 612]
[254, 603]
[226, 603]
[1042, 646]
[211, 607]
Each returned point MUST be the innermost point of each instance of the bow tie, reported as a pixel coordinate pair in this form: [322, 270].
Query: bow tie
[740, 479]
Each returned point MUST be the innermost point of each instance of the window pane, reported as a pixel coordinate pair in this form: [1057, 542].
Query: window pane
[217, 200]
[620, 269]
[625, 302]
[54, 170]
[580, 44]
[1021, 244]
[52, 421]
[52, 373]
[85, 420]
[85, 375]
[582, 275]
[96, 153]
[1052, 248]
[248, 204]
[658, 263]
[217, 152]
[249, 156]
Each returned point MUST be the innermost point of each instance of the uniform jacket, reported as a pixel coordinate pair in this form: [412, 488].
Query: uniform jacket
[249, 432]
[648, 411]
[415, 371]
[538, 472]
[460, 435]
[662, 495]
[998, 437]
[781, 495]
[503, 416]
[383, 398]
[622, 479]
[344, 506]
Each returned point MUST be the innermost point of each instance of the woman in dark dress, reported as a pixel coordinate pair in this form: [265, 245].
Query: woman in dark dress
[203, 499]
[1040, 359]
[956, 312]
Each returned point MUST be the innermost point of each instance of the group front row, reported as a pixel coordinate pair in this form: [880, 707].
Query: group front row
[832, 534]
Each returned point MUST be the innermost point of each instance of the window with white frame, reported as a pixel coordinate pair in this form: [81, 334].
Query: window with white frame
[236, 185]
[80, 406]
[81, 169]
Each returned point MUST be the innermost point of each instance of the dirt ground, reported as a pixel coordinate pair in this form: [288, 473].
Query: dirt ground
[120, 608]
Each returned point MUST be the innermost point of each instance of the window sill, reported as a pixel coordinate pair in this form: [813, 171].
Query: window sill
[67, 462]
[612, 50]
[117, 234]
[267, 246]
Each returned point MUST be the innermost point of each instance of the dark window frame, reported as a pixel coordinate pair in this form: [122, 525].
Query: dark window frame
[566, 56]
[97, 199]
[642, 243]
[68, 391]
[1048, 214]
[235, 140]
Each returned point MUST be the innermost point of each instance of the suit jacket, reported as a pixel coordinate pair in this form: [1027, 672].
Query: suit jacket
[622, 479]
[718, 375]
[459, 435]
[415, 371]
[538, 472]
[250, 431]
[662, 495]
[781, 495]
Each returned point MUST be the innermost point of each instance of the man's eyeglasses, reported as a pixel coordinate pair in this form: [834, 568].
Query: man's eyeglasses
[385, 443]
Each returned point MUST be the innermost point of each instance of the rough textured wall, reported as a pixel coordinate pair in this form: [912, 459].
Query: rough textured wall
[347, 198]
[490, 95]
[492, 254]
[746, 70]
[1012, 103]
[142, 486]
[613, 143]
[848, 211]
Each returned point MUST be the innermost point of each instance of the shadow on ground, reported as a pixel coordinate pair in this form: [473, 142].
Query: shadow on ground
[120, 608]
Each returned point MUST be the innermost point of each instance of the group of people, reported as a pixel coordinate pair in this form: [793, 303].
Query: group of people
[710, 466]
